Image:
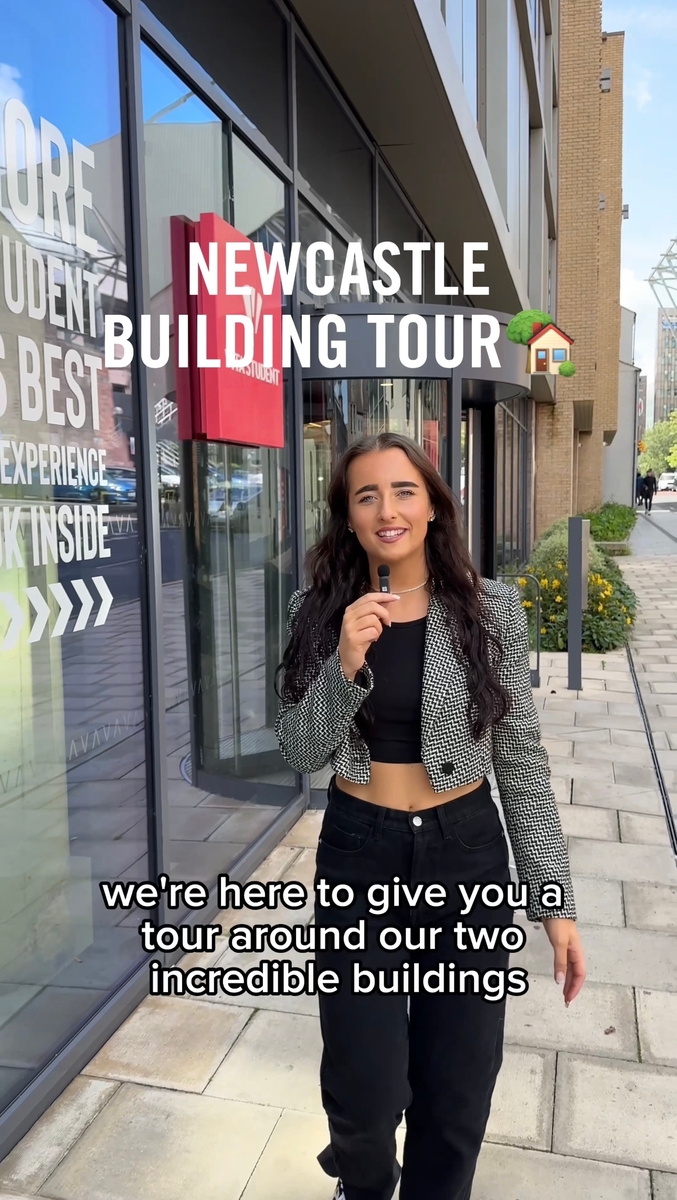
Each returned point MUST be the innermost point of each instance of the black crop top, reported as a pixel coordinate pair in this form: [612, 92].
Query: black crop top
[396, 660]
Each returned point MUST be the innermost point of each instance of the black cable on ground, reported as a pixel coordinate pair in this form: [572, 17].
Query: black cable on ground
[662, 786]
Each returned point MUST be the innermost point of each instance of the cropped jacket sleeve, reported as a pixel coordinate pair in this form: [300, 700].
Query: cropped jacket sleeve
[522, 773]
[310, 731]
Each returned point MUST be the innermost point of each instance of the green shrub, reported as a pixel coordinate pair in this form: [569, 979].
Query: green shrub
[612, 522]
[567, 369]
[612, 605]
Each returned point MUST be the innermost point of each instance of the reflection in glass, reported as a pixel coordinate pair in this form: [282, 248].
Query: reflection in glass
[395, 224]
[333, 158]
[338, 412]
[221, 38]
[258, 195]
[223, 509]
[312, 229]
[72, 749]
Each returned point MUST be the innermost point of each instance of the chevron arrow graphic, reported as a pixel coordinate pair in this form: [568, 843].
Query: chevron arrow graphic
[65, 605]
[106, 597]
[87, 602]
[42, 610]
[17, 616]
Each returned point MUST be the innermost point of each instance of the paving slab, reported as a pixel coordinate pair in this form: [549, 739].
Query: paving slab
[630, 737]
[306, 830]
[276, 1061]
[601, 771]
[616, 1111]
[664, 1186]
[510, 1173]
[629, 773]
[308, 1005]
[627, 798]
[288, 1168]
[651, 906]
[170, 1042]
[150, 1143]
[597, 753]
[628, 957]
[600, 1021]
[644, 829]
[589, 822]
[521, 1108]
[33, 1159]
[622, 860]
[657, 1020]
[598, 901]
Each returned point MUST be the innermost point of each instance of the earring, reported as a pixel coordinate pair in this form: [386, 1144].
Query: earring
[431, 518]
[350, 529]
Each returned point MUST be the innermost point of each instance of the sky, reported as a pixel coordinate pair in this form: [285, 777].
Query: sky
[649, 159]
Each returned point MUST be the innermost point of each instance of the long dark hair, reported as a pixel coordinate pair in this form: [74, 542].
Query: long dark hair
[338, 568]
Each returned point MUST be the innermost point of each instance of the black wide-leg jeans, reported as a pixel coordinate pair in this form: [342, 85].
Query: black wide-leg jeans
[432, 1056]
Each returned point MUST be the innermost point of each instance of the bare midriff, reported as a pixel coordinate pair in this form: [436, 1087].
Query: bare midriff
[403, 786]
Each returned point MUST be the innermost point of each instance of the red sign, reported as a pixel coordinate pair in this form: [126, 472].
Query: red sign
[234, 392]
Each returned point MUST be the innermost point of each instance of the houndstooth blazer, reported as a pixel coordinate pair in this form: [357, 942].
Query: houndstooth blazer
[321, 729]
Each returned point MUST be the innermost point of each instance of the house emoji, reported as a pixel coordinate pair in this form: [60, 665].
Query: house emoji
[549, 347]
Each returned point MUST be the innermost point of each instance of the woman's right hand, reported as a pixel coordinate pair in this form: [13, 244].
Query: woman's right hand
[363, 623]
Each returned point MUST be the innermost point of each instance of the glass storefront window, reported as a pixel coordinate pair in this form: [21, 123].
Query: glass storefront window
[337, 413]
[512, 484]
[461, 18]
[313, 229]
[225, 527]
[518, 142]
[396, 224]
[333, 158]
[221, 38]
[72, 752]
[258, 197]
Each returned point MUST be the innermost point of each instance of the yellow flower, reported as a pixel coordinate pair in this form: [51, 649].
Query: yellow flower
[560, 566]
[628, 621]
[543, 629]
[556, 584]
[544, 583]
[600, 608]
[623, 608]
[522, 582]
[527, 604]
[558, 599]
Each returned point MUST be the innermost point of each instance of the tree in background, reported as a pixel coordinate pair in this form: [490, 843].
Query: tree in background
[521, 328]
[661, 446]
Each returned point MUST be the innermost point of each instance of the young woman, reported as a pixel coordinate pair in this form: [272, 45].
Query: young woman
[413, 697]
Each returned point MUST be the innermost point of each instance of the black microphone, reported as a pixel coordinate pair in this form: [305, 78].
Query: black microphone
[384, 578]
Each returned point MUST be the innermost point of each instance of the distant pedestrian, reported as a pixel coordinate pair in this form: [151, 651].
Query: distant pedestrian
[649, 486]
[638, 487]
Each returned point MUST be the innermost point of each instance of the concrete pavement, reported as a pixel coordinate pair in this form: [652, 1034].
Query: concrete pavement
[221, 1101]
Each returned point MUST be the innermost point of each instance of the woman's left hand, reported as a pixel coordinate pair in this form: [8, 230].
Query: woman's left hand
[569, 957]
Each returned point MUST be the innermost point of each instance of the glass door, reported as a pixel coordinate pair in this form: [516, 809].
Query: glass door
[339, 412]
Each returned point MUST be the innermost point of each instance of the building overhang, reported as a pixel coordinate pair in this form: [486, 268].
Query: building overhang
[395, 62]
[483, 382]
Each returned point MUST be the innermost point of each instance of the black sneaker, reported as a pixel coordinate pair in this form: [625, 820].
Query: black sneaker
[339, 1194]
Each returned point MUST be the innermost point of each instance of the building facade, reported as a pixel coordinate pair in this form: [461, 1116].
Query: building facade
[665, 386]
[641, 407]
[144, 578]
[620, 455]
[571, 436]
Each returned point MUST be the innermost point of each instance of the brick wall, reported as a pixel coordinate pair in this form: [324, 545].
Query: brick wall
[569, 476]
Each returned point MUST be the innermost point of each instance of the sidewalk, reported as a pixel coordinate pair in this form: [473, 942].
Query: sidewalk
[220, 1101]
